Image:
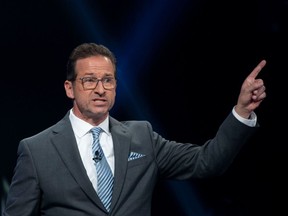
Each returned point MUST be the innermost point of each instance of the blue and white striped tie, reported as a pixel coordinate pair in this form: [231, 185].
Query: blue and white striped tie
[104, 175]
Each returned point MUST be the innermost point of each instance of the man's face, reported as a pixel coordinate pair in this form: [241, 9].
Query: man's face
[92, 104]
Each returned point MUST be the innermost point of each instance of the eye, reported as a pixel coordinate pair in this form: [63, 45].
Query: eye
[88, 79]
[107, 79]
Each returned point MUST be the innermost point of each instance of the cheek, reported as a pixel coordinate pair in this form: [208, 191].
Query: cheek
[113, 95]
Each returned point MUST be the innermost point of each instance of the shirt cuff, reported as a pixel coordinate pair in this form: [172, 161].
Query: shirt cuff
[251, 122]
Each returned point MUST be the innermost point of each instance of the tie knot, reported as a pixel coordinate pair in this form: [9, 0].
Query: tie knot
[96, 132]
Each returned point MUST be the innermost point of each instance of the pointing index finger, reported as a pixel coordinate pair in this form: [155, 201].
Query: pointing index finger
[257, 69]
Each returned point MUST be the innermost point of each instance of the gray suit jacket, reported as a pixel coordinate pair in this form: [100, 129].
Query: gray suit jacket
[50, 178]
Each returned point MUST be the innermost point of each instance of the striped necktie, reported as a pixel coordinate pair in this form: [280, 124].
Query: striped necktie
[104, 174]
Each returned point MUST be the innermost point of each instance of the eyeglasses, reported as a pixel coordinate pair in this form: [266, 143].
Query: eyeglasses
[90, 83]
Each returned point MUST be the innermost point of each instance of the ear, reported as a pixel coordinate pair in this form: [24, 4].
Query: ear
[69, 89]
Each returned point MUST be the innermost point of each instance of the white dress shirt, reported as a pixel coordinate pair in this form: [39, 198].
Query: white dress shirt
[84, 141]
[251, 122]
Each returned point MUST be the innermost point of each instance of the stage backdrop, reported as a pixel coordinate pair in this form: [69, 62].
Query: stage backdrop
[180, 66]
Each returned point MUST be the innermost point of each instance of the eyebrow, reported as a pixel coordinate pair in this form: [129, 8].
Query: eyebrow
[105, 74]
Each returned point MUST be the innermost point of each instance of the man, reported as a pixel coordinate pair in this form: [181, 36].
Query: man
[56, 171]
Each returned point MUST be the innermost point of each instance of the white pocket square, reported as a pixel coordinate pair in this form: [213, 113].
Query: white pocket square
[135, 155]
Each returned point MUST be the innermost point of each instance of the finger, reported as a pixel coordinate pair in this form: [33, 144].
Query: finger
[259, 90]
[257, 69]
[259, 97]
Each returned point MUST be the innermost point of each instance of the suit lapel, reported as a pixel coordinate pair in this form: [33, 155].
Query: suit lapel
[121, 142]
[65, 143]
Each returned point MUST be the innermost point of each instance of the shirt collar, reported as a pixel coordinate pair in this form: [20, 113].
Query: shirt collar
[81, 127]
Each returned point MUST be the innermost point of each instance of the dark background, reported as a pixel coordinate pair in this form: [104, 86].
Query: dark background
[180, 66]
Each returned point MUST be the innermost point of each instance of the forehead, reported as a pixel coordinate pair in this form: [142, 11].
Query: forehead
[94, 64]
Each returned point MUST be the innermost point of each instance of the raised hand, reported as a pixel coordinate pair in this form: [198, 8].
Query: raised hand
[252, 92]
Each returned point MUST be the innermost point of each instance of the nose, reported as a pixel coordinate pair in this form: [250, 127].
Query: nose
[99, 87]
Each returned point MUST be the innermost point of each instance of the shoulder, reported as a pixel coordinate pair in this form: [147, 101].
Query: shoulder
[130, 123]
[62, 125]
[114, 122]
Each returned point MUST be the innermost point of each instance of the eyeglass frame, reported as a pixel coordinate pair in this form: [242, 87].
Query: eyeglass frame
[96, 80]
